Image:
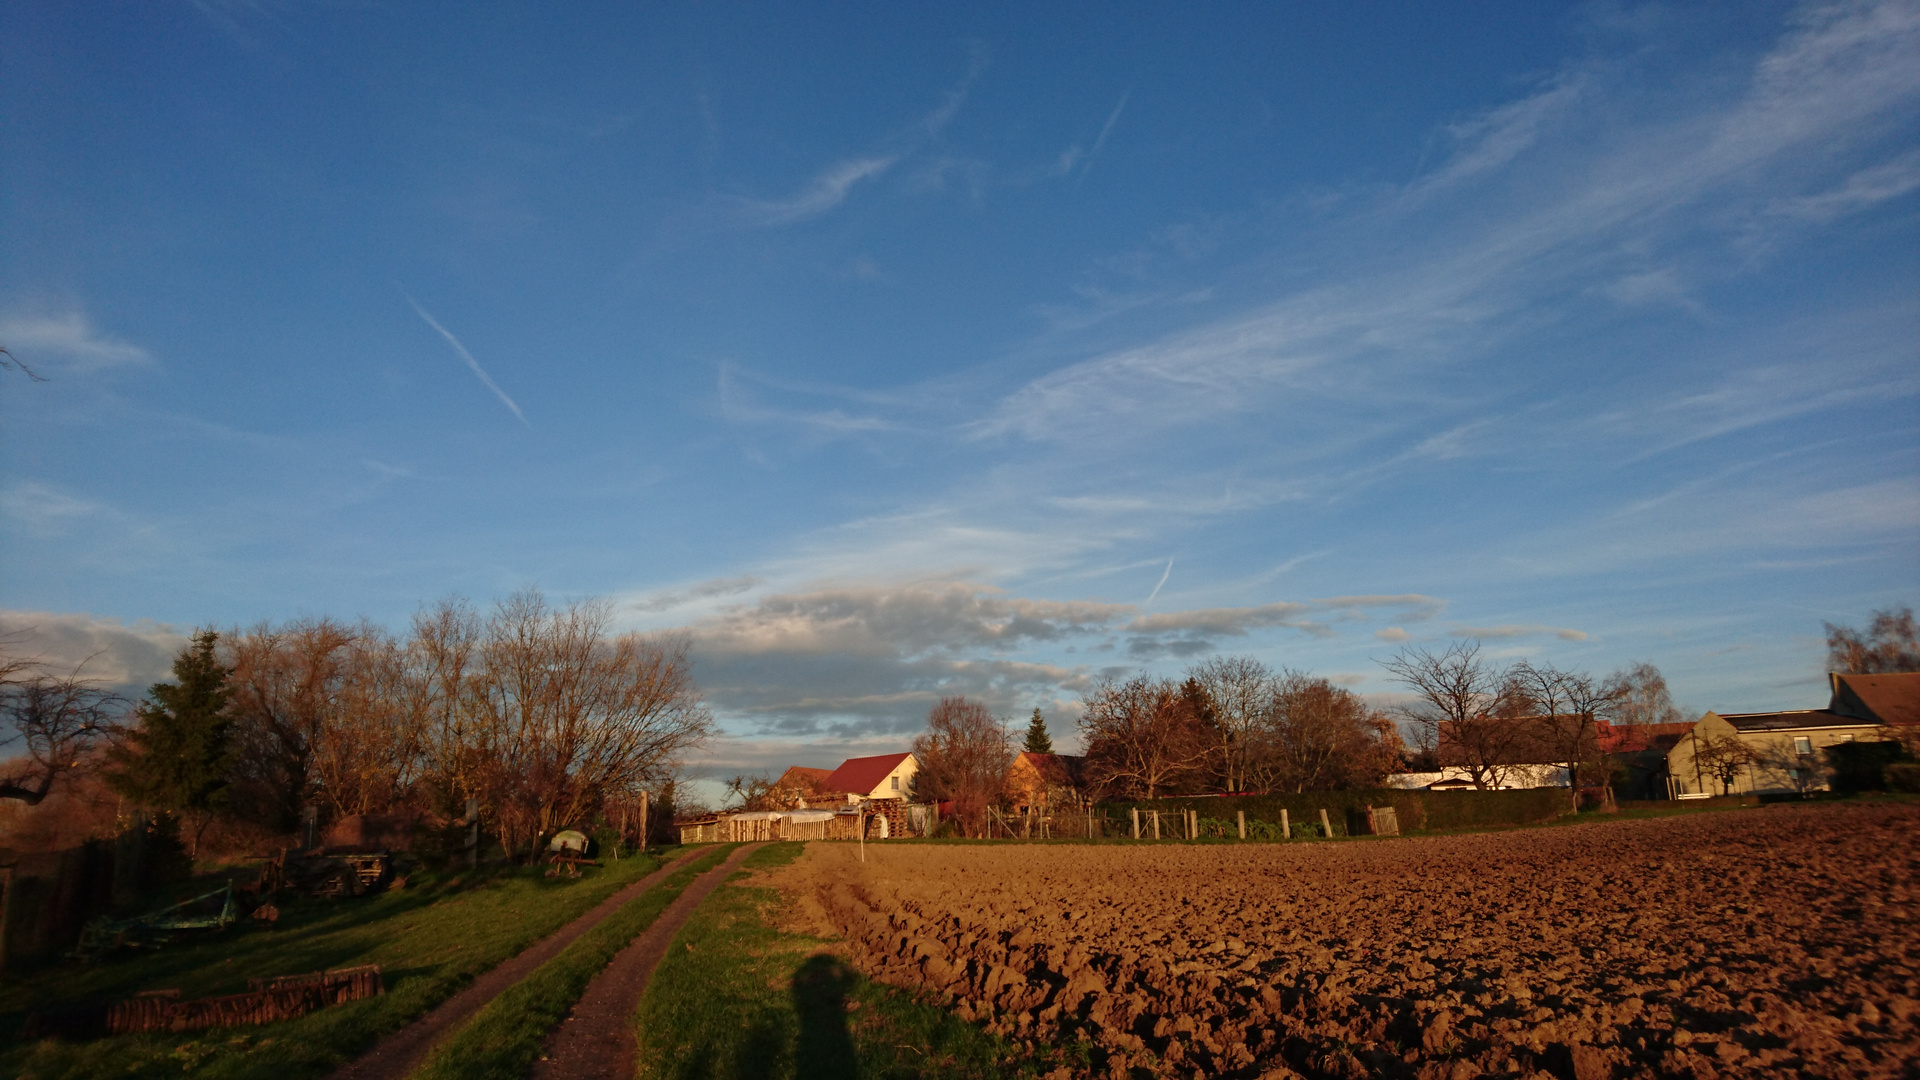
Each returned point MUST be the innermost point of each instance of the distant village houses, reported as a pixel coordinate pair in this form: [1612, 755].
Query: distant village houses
[1783, 752]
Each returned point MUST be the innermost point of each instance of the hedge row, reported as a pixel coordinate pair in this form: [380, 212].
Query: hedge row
[1417, 810]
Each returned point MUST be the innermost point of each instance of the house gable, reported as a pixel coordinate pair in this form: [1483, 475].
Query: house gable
[886, 776]
[1884, 699]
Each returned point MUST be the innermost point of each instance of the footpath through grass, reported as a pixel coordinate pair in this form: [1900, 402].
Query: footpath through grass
[737, 997]
[501, 1041]
[429, 938]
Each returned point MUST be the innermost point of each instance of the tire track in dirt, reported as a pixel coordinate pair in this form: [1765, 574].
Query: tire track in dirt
[596, 1039]
[398, 1054]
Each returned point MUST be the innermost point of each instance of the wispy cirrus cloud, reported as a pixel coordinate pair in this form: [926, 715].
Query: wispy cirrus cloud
[1519, 630]
[831, 185]
[472, 364]
[715, 589]
[69, 335]
[828, 189]
[1581, 179]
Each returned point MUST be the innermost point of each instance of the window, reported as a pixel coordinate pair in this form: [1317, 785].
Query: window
[1802, 745]
[896, 782]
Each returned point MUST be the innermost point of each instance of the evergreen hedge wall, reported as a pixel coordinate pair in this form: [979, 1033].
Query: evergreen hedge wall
[1417, 810]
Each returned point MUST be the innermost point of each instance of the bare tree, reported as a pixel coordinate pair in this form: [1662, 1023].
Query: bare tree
[754, 793]
[1141, 738]
[1461, 707]
[285, 686]
[367, 756]
[1324, 737]
[1567, 706]
[439, 660]
[1891, 644]
[13, 363]
[1239, 692]
[48, 723]
[963, 757]
[1641, 697]
[573, 714]
[1723, 757]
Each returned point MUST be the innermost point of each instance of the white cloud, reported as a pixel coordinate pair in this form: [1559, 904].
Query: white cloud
[858, 660]
[124, 656]
[69, 335]
[827, 190]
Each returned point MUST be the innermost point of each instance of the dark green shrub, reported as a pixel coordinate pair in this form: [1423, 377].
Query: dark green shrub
[1904, 776]
[1862, 766]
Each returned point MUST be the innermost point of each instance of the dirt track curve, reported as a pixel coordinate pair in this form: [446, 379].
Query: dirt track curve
[397, 1055]
[596, 1040]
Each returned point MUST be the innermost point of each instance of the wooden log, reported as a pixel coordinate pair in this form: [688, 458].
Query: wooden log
[1240, 816]
[1286, 827]
[1326, 827]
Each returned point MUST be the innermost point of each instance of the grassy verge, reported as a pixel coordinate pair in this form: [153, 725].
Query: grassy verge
[738, 997]
[501, 1041]
[430, 939]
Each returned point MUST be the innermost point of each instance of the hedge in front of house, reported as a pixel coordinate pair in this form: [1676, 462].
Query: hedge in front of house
[1417, 810]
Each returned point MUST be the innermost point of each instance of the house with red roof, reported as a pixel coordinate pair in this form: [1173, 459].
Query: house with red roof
[884, 776]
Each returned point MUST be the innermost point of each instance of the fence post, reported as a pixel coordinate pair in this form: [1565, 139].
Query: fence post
[1193, 824]
[1156, 823]
[473, 833]
[643, 819]
[1286, 827]
[1241, 815]
[1136, 823]
[1325, 825]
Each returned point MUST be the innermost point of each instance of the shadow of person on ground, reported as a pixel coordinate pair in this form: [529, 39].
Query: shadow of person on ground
[824, 1049]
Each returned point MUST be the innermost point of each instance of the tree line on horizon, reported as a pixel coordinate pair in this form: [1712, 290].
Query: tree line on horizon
[1232, 724]
[537, 713]
[546, 718]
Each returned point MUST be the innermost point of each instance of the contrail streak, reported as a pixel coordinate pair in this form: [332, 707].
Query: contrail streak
[468, 357]
[1163, 580]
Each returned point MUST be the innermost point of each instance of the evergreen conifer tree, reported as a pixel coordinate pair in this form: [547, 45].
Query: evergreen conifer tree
[1038, 742]
[177, 755]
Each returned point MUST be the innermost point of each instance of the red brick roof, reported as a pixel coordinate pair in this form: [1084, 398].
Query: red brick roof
[1630, 738]
[860, 775]
[1890, 699]
[802, 778]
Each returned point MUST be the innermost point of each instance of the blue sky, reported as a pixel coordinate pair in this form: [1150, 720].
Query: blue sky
[896, 350]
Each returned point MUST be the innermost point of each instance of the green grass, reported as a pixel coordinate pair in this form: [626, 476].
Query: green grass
[501, 1041]
[429, 938]
[737, 997]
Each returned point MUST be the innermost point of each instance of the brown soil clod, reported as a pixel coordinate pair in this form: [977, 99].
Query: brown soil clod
[1779, 941]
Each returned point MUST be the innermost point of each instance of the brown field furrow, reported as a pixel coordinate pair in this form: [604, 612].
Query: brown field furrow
[1766, 942]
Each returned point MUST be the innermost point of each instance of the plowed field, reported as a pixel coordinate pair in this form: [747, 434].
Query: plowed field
[1775, 941]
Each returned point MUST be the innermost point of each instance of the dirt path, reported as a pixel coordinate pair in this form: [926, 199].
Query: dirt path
[393, 1057]
[596, 1041]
